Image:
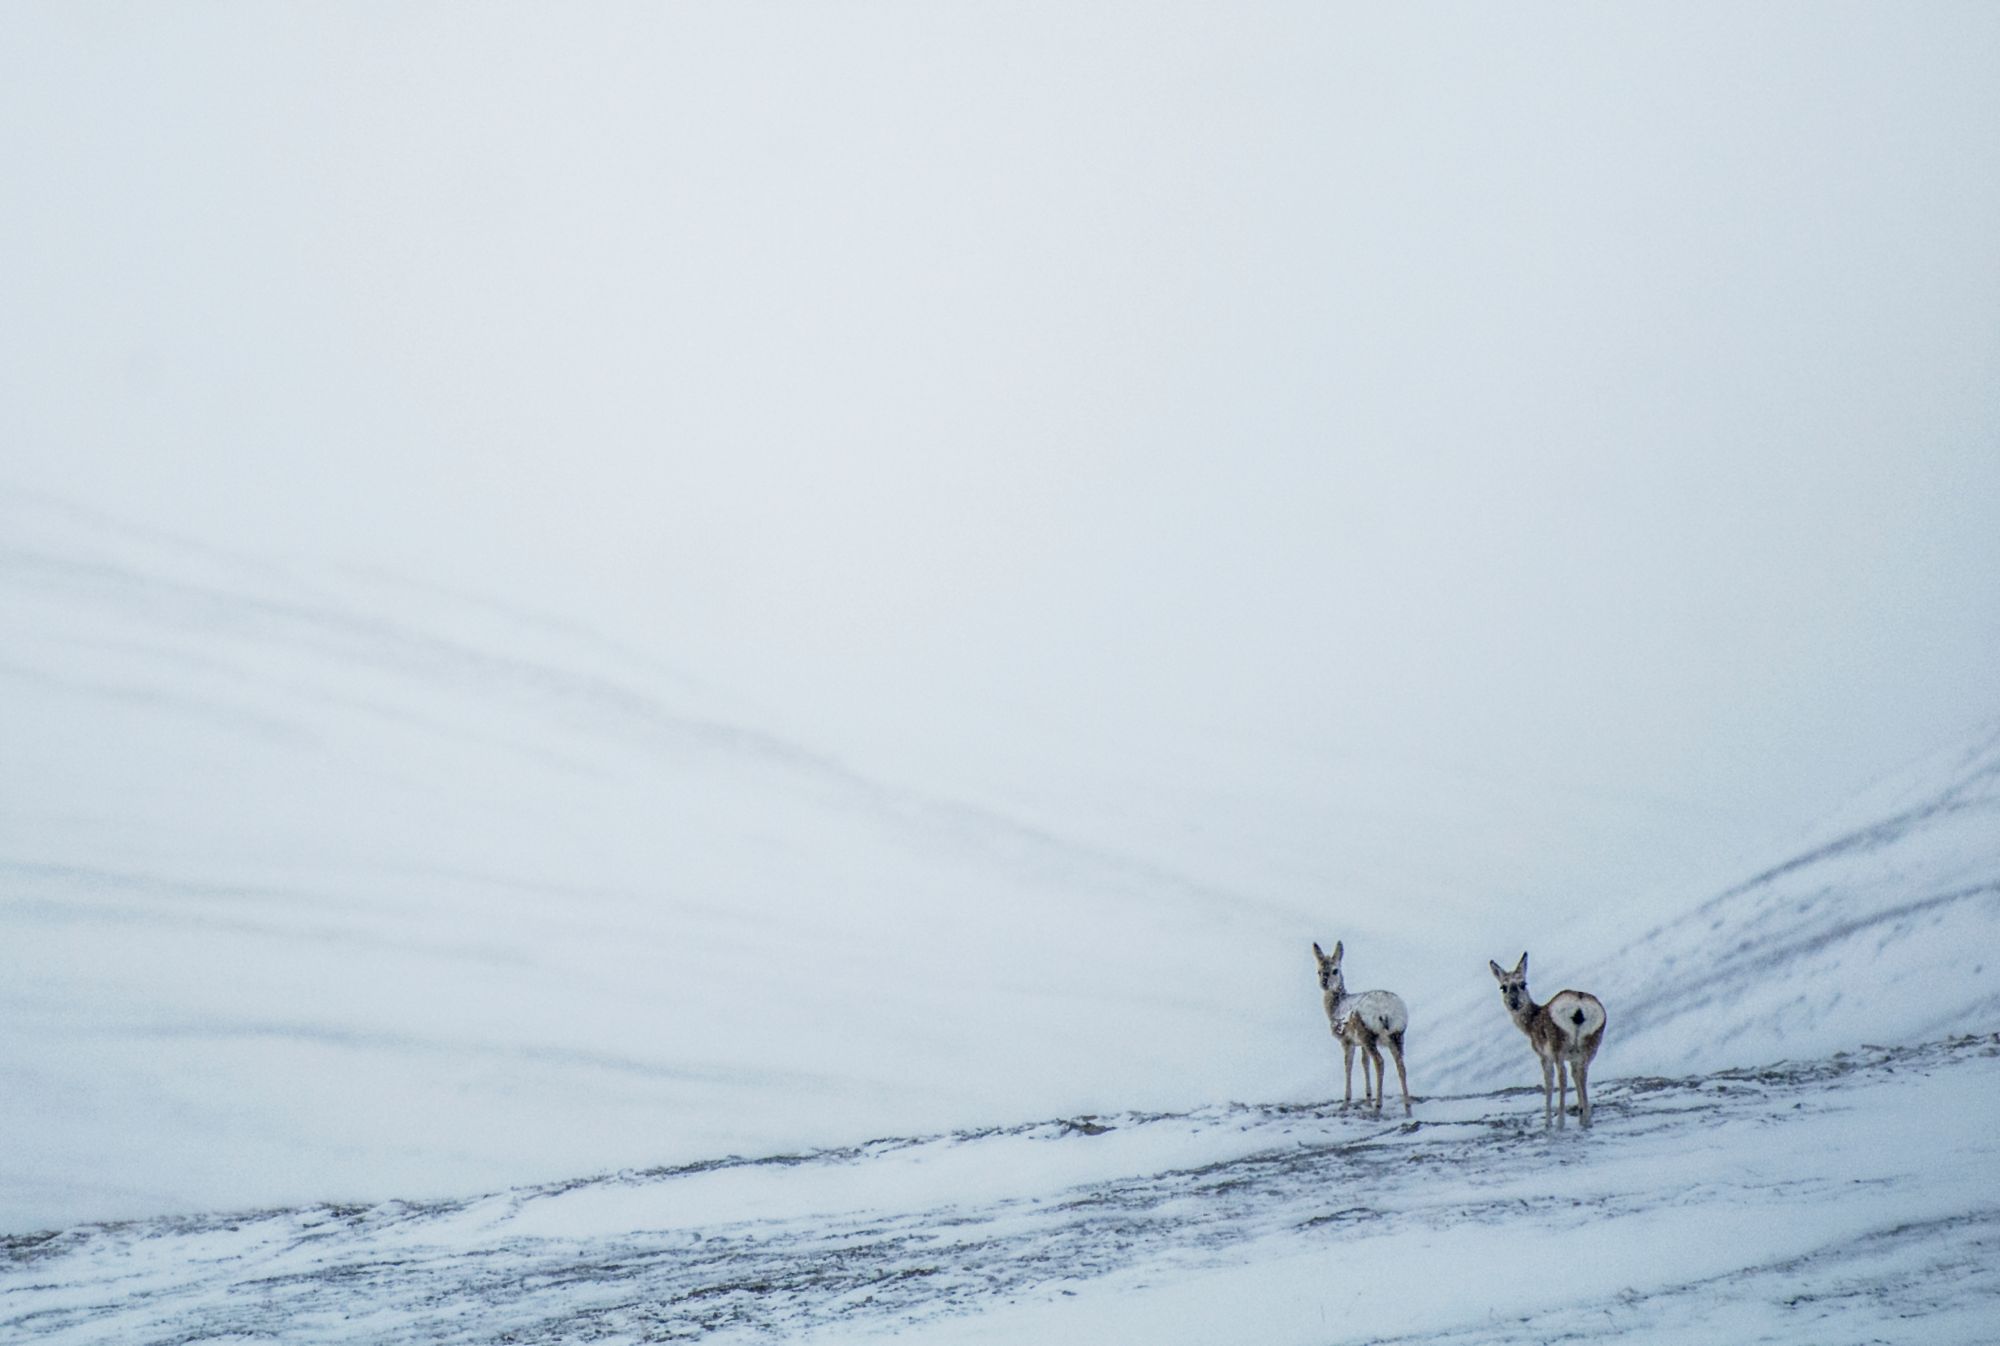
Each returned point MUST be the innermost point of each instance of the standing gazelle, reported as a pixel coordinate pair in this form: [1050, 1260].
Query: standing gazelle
[1565, 1034]
[1365, 1021]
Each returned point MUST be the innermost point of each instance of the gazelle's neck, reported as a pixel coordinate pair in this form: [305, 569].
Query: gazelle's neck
[1526, 1014]
[1338, 1002]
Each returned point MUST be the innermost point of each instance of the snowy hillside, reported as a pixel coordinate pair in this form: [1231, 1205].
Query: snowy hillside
[1883, 931]
[326, 886]
[333, 900]
[329, 887]
[1849, 1199]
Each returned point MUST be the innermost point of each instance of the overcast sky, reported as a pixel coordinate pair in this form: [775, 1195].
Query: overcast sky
[1606, 393]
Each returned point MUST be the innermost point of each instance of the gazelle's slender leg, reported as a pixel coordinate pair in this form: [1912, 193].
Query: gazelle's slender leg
[1548, 1089]
[1375, 1055]
[1402, 1077]
[1562, 1093]
[1583, 1091]
[1347, 1055]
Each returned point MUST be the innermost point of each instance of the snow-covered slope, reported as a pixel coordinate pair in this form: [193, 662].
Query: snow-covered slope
[326, 887]
[1855, 1198]
[336, 899]
[323, 886]
[1884, 930]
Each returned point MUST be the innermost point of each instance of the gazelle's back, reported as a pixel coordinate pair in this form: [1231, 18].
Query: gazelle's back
[1381, 1012]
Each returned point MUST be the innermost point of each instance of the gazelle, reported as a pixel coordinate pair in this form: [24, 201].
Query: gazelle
[1365, 1021]
[1565, 1034]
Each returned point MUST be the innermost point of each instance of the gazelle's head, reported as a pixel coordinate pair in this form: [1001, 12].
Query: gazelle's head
[1329, 969]
[1513, 985]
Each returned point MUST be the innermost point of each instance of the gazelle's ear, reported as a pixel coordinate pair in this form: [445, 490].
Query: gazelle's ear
[1521, 968]
[1338, 949]
[1498, 975]
[1319, 955]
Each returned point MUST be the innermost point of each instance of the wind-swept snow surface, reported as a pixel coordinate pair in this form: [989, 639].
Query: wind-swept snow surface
[1854, 1198]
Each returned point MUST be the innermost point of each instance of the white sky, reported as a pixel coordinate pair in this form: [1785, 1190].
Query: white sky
[1603, 394]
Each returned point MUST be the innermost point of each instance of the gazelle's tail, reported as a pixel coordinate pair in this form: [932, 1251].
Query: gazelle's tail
[1577, 1016]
